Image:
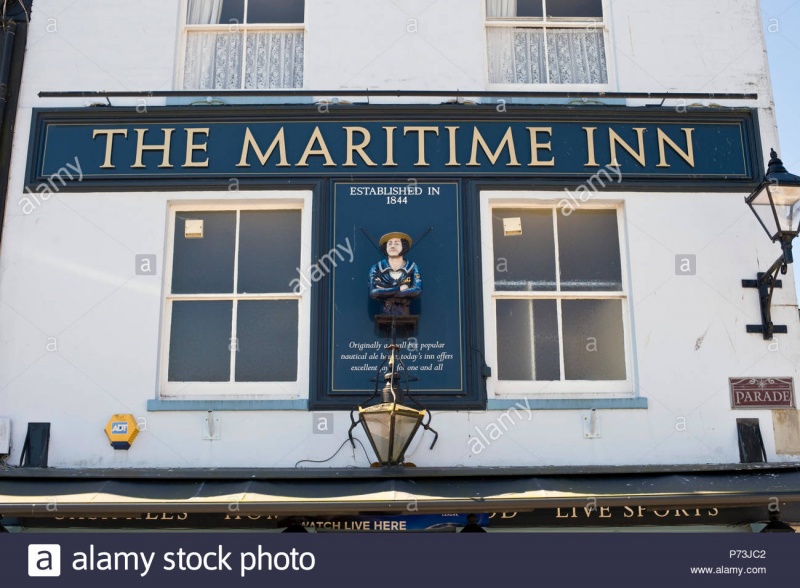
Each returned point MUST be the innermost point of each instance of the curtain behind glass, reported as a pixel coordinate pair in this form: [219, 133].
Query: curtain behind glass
[576, 56]
[274, 60]
[501, 8]
[213, 61]
[204, 12]
[516, 56]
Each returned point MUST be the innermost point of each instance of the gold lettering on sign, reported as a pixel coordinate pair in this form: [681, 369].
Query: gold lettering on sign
[687, 156]
[590, 156]
[535, 146]
[109, 133]
[389, 147]
[452, 133]
[249, 141]
[614, 139]
[353, 148]
[191, 147]
[506, 141]
[420, 131]
[559, 515]
[316, 138]
[163, 147]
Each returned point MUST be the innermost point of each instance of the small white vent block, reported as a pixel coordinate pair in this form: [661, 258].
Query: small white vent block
[5, 435]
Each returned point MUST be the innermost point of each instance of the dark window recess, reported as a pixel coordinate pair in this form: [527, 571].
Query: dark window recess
[527, 340]
[751, 445]
[525, 262]
[36, 447]
[588, 248]
[204, 265]
[200, 340]
[232, 11]
[529, 8]
[276, 11]
[269, 250]
[266, 334]
[594, 342]
[575, 8]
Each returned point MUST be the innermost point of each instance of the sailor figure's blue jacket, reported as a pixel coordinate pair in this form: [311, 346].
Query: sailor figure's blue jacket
[382, 285]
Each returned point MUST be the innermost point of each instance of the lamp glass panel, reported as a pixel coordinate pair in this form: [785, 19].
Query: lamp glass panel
[379, 426]
[785, 195]
[785, 199]
[404, 428]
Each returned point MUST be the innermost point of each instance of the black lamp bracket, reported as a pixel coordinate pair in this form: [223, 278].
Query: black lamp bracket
[766, 284]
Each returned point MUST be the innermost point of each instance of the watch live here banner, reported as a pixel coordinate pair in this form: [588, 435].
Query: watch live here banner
[429, 214]
[120, 147]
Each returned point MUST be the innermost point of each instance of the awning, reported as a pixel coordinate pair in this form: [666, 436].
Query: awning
[340, 492]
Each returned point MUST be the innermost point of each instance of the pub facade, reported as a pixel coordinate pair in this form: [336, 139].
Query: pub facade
[201, 207]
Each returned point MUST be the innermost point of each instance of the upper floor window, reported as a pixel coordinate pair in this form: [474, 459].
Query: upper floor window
[234, 322]
[546, 42]
[243, 44]
[556, 310]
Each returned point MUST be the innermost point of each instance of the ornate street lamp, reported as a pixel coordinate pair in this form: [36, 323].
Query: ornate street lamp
[775, 203]
[390, 426]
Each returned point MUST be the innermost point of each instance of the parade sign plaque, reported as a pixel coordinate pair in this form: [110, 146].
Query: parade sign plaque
[769, 393]
[432, 351]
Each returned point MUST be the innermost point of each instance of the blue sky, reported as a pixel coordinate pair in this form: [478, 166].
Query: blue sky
[782, 31]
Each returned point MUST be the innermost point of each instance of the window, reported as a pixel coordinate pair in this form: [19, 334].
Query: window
[557, 301]
[234, 323]
[546, 42]
[243, 44]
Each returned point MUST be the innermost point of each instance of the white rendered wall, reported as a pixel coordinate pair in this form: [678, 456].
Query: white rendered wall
[66, 269]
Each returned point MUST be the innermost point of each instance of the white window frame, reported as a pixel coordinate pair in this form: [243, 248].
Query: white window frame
[496, 388]
[552, 23]
[226, 28]
[297, 389]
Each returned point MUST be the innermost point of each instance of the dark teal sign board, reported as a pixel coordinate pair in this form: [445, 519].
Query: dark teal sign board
[119, 148]
[434, 354]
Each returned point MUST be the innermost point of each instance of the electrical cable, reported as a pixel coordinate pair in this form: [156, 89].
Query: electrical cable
[334, 454]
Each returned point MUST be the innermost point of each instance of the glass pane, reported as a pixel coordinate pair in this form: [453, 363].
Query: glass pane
[527, 340]
[512, 8]
[269, 250]
[575, 8]
[529, 8]
[588, 247]
[379, 428]
[214, 11]
[204, 265]
[594, 345]
[275, 11]
[232, 11]
[524, 262]
[267, 341]
[404, 428]
[576, 56]
[199, 341]
[274, 60]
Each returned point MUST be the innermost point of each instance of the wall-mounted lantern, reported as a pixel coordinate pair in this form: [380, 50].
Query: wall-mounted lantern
[775, 204]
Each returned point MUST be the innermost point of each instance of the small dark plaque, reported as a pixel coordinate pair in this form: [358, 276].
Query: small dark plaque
[767, 393]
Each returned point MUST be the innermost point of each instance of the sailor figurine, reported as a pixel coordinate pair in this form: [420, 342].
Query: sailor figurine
[395, 280]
